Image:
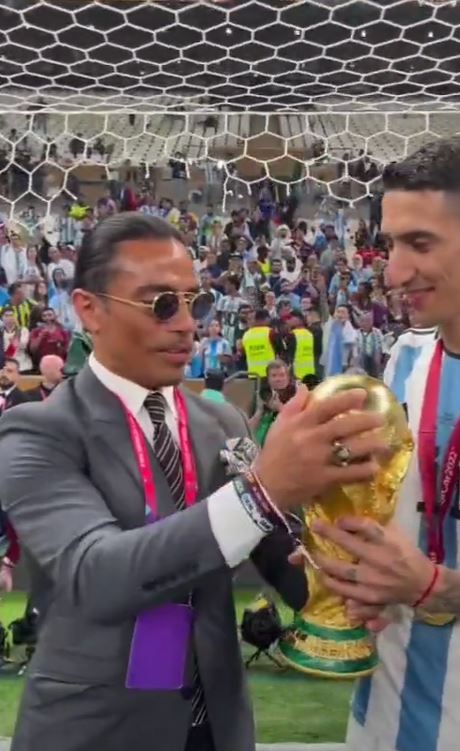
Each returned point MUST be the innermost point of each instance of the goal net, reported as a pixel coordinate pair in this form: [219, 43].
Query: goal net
[206, 100]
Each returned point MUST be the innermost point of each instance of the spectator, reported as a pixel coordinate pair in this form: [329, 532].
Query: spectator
[270, 304]
[206, 225]
[10, 393]
[228, 308]
[15, 340]
[341, 268]
[13, 258]
[282, 238]
[292, 268]
[286, 295]
[34, 270]
[274, 278]
[299, 244]
[60, 300]
[48, 338]
[57, 261]
[215, 351]
[213, 387]
[362, 235]
[258, 345]
[40, 298]
[245, 319]
[362, 303]
[304, 356]
[275, 390]
[314, 324]
[340, 345]
[187, 219]
[212, 266]
[77, 146]
[20, 304]
[369, 347]
[178, 167]
[4, 294]
[51, 370]
[253, 279]
[216, 236]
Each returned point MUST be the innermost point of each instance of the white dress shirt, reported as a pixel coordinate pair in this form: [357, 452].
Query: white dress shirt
[235, 532]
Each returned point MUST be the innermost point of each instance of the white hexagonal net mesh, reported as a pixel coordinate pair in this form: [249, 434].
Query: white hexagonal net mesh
[318, 94]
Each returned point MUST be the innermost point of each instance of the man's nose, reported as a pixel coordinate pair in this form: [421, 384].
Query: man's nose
[183, 320]
[400, 268]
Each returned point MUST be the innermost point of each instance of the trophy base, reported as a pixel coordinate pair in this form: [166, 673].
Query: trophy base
[328, 652]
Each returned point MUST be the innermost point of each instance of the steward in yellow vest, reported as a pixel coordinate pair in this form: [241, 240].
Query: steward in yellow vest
[257, 346]
[304, 358]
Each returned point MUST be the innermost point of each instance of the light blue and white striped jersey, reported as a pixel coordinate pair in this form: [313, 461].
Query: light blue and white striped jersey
[411, 701]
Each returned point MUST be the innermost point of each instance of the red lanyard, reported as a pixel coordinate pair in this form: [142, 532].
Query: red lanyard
[143, 460]
[435, 511]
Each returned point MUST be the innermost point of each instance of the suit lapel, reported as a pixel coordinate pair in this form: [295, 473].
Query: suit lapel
[207, 439]
[107, 425]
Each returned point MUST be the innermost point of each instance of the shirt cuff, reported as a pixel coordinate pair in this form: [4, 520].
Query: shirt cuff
[235, 532]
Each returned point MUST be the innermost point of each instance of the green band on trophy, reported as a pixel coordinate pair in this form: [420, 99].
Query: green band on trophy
[329, 652]
[345, 634]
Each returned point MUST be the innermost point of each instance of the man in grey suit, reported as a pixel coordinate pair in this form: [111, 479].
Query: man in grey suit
[77, 472]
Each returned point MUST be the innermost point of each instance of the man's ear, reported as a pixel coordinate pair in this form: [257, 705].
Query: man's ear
[88, 310]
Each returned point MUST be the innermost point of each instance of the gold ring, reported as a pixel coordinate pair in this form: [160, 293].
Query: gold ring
[341, 455]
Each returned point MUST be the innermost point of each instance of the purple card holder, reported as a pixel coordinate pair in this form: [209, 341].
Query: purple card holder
[159, 648]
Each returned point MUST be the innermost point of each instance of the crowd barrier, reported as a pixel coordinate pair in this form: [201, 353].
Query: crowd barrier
[240, 391]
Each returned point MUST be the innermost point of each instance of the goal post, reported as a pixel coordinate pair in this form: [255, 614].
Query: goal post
[314, 95]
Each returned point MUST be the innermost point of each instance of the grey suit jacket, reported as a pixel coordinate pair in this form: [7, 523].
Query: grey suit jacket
[72, 490]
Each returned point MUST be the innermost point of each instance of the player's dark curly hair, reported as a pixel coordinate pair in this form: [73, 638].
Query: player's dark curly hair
[435, 166]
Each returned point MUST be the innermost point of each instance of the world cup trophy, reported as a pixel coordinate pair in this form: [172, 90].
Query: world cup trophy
[321, 640]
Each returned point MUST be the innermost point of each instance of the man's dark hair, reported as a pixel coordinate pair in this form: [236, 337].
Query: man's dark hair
[234, 281]
[95, 262]
[261, 316]
[214, 380]
[435, 166]
[13, 360]
[14, 288]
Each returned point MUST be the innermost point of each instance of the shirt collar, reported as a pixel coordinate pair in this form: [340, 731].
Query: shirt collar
[131, 394]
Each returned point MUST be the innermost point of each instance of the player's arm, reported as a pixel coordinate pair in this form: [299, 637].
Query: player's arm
[446, 593]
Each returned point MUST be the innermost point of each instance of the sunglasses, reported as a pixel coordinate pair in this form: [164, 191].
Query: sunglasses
[165, 305]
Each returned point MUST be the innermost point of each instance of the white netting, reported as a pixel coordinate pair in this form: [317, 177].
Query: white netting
[315, 95]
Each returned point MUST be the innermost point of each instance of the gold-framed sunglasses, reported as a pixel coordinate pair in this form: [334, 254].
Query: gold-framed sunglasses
[165, 305]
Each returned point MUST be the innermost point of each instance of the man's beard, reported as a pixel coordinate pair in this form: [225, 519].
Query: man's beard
[5, 384]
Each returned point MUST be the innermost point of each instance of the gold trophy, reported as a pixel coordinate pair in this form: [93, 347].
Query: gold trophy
[321, 640]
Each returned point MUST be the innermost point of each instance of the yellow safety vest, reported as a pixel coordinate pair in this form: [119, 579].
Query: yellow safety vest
[304, 360]
[258, 350]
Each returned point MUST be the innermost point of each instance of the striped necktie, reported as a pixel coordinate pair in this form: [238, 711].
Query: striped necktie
[166, 449]
[169, 458]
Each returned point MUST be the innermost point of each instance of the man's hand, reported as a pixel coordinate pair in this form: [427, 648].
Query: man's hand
[371, 616]
[390, 569]
[275, 403]
[297, 461]
[6, 577]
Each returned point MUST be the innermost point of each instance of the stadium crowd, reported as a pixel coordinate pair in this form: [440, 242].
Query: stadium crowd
[307, 298]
